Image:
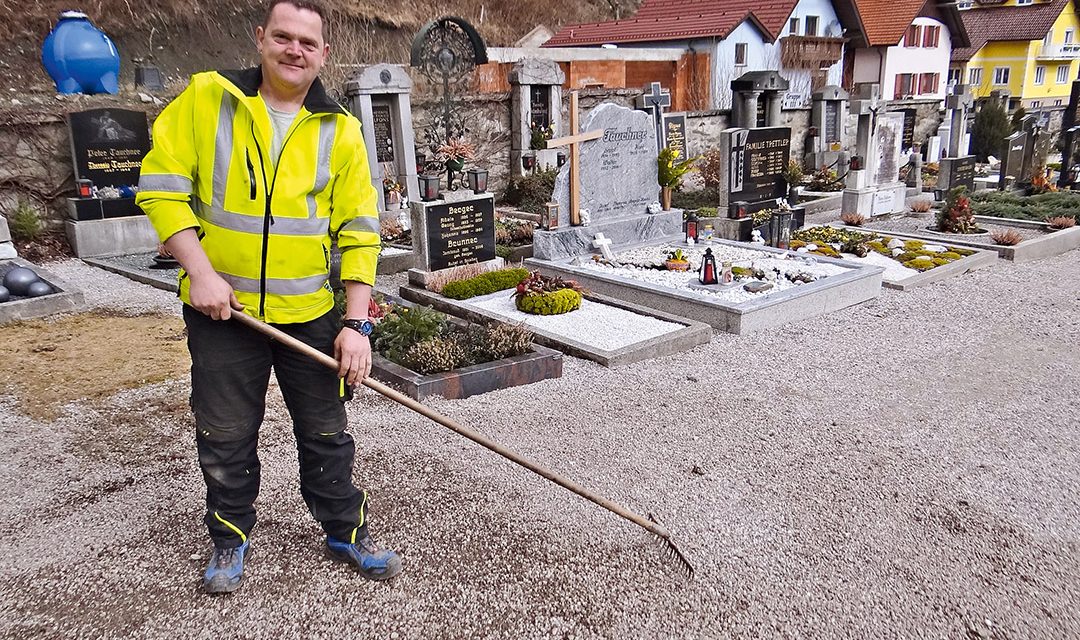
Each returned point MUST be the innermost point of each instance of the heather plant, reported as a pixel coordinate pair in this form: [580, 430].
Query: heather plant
[922, 205]
[853, 219]
[1007, 237]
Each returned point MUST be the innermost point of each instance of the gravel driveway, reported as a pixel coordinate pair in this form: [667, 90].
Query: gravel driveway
[903, 469]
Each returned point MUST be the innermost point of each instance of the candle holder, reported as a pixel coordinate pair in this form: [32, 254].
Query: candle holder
[477, 180]
[429, 187]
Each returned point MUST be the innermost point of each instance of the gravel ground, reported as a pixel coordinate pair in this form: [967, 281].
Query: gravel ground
[906, 468]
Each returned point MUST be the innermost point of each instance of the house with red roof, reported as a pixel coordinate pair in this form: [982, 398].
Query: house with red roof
[910, 43]
[802, 39]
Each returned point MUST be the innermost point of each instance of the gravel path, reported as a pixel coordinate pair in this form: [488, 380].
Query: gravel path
[904, 469]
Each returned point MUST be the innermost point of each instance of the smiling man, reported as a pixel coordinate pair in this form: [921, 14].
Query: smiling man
[253, 175]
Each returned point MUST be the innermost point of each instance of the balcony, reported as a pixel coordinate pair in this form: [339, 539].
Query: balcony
[1068, 51]
[810, 52]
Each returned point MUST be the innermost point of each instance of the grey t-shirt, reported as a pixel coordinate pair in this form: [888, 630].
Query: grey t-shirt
[281, 120]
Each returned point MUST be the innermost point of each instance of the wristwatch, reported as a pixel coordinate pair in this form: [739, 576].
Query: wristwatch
[363, 326]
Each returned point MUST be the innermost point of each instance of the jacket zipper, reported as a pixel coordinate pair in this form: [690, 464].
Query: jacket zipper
[251, 177]
[268, 216]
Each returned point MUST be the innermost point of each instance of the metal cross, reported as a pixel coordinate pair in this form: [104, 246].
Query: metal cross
[655, 98]
[574, 141]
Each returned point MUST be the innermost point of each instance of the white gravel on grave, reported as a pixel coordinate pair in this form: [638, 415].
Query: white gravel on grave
[894, 271]
[739, 257]
[393, 251]
[597, 324]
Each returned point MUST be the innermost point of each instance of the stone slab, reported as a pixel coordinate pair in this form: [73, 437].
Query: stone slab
[859, 284]
[111, 237]
[140, 268]
[66, 298]
[828, 201]
[539, 364]
[395, 262]
[692, 334]
[567, 242]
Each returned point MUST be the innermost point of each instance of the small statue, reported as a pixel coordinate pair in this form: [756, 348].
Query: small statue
[653, 207]
[755, 237]
[585, 217]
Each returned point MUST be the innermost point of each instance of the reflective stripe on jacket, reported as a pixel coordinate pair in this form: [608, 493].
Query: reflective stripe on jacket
[265, 223]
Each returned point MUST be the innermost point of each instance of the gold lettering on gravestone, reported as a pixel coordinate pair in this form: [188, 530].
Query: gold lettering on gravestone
[766, 157]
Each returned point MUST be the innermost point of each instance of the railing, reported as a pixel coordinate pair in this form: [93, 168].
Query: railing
[1066, 51]
[810, 52]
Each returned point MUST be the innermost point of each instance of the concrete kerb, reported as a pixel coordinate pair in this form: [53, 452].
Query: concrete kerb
[66, 298]
[1052, 244]
[165, 279]
[692, 334]
[859, 284]
[827, 201]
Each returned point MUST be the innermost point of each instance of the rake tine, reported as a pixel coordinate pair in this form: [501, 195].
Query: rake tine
[672, 550]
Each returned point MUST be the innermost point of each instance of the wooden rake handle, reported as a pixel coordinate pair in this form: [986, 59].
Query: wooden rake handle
[460, 429]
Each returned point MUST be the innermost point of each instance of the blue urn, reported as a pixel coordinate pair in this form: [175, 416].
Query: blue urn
[79, 57]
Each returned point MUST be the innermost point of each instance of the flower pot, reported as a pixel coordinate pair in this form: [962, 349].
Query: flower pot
[665, 198]
[677, 265]
[455, 164]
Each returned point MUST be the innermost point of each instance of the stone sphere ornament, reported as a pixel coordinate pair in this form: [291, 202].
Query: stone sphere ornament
[19, 279]
[38, 289]
[5, 295]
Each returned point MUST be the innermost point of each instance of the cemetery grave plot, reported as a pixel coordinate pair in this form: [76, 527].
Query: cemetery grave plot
[145, 267]
[790, 286]
[23, 306]
[513, 237]
[424, 352]
[907, 262]
[1037, 239]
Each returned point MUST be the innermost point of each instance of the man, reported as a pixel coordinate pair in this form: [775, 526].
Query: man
[253, 174]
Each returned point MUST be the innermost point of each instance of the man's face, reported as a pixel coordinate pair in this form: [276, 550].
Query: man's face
[291, 47]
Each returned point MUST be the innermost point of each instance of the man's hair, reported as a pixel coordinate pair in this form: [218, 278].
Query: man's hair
[310, 5]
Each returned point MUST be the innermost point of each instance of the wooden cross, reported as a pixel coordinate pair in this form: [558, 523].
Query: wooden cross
[573, 141]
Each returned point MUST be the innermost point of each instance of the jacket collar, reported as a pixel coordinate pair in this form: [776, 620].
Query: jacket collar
[248, 80]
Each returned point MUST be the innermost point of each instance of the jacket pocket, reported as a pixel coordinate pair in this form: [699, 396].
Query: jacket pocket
[251, 176]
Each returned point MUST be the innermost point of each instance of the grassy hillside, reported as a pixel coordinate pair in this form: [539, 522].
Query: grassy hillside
[183, 36]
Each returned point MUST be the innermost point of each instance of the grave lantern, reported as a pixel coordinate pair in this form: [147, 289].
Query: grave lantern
[421, 161]
[707, 271]
[737, 210]
[549, 218]
[86, 188]
[560, 158]
[477, 180]
[780, 229]
[856, 163]
[429, 187]
[690, 227]
[528, 161]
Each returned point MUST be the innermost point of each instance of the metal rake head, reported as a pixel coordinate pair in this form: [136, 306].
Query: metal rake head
[672, 550]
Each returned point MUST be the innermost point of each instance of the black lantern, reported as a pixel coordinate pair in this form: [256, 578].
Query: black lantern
[528, 161]
[780, 229]
[856, 163]
[737, 210]
[560, 158]
[707, 271]
[549, 217]
[477, 180]
[429, 187]
[690, 227]
[421, 161]
[812, 132]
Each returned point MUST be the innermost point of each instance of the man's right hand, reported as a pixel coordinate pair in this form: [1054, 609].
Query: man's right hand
[210, 294]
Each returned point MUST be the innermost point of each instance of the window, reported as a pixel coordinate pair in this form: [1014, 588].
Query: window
[905, 85]
[1035, 104]
[930, 37]
[911, 36]
[740, 54]
[963, 4]
[1057, 103]
[1001, 75]
[1063, 74]
[975, 76]
[1021, 3]
[1040, 74]
[1068, 36]
[955, 76]
[811, 25]
[928, 83]
[793, 26]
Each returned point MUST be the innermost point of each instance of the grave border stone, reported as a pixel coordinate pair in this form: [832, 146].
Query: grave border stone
[66, 298]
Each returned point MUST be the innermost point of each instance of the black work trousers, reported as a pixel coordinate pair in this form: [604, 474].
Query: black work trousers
[230, 372]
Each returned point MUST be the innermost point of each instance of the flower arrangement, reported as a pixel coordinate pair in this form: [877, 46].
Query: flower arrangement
[539, 134]
[543, 295]
[956, 216]
[793, 174]
[670, 171]
[824, 179]
[456, 149]
[677, 260]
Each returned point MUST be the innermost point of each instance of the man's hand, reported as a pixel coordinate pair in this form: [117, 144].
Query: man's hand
[210, 294]
[353, 351]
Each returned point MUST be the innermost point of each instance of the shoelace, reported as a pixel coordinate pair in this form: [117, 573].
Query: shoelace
[225, 558]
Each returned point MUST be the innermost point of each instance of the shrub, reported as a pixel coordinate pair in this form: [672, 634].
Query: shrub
[550, 302]
[853, 219]
[956, 216]
[1061, 222]
[501, 341]
[484, 283]
[700, 199]
[793, 174]
[708, 166]
[530, 193]
[989, 131]
[824, 179]
[503, 251]
[922, 205]
[404, 327]
[434, 355]
[669, 171]
[707, 212]
[1007, 237]
[25, 224]
[439, 279]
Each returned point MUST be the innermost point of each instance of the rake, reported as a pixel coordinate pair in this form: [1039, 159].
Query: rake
[662, 535]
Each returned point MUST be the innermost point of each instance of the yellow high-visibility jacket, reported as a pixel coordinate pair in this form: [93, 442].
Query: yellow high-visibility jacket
[265, 223]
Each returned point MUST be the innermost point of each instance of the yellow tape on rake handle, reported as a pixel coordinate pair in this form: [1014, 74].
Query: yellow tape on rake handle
[650, 526]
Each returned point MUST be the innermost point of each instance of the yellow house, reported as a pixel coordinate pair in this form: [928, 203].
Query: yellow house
[1030, 48]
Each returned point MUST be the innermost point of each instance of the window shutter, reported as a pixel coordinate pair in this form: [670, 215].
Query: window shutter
[898, 90]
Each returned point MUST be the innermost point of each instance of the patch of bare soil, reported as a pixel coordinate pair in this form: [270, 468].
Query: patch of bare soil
[49, 363]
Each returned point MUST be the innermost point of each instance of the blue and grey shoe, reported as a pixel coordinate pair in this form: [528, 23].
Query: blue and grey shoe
[226, 569]
[373, 562]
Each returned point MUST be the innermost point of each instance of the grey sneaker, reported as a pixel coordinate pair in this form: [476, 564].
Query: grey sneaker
[226, 569]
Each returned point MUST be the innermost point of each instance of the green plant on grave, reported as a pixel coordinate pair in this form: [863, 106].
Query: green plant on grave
[24, 223]
[485, 283]
[676, 255]
[955, 215]
[793, 173]
[824, 179]
[405, 327]
[499, 341]
[435, 355]
[761, 216]
[531, 192]
[669, 171]
[547, 295]
[989, 131]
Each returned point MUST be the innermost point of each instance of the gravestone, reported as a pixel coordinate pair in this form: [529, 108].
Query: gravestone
[675, 134]
[1068, 124]
[617, 186]
[757, 98]
[452, 233]
[379, 96]
[908, 139]
[107, 148]
[954, 168]
[654, 99]
[875, 188]
[535, 101]
[1012, 163]
[828, 114]
[752, 166]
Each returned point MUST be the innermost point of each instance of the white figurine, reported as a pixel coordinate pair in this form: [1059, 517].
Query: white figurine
[653, 207]
[755, 237]
[584, 217]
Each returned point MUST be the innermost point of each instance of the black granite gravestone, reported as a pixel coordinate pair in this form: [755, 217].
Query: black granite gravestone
[764, 157]
[460, 233]
[107, 148]
[675, 134]
[382, 122]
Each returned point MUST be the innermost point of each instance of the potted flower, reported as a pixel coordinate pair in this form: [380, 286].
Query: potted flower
[539, 135]
[793, 176]
[392, 190]
[670, 172]
[677, 261]
[454, 152]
